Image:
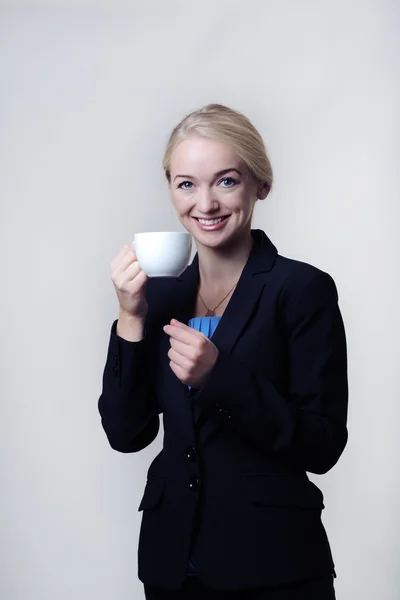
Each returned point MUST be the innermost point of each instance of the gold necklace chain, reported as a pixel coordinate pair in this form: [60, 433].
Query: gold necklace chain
[210, 312]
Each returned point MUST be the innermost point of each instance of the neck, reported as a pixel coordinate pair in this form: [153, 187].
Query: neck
[223, 265]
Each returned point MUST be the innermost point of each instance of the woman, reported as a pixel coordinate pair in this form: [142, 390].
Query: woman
[245, 356]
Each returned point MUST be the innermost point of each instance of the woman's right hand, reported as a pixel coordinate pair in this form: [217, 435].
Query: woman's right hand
[130, 284]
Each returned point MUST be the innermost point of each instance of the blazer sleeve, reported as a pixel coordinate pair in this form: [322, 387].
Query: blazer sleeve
[305, 422]
[127, 405]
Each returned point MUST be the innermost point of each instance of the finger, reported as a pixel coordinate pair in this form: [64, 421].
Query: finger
[179, 372]
[181, 325]
[141, 278]
[116, 260]
[179, 359]
[120, 266]
[132, 280]
[187, 335]
[183, 349]
[132, 271]
[122, 252]
[129, 256]
[125, 261]
[137, 283]
[123, 279]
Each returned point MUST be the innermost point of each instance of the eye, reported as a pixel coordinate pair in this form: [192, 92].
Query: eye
[228, 182]
[185, 185]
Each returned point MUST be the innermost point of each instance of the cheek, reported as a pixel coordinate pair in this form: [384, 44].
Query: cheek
[238, 202]
[180, 204]
[174, 199]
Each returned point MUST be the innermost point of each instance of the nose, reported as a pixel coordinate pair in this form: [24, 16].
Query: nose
[206, 202]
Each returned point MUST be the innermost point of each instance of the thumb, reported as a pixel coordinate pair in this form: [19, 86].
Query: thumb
[177, 323]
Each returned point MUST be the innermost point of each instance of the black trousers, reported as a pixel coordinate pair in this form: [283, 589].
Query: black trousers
[316, 589]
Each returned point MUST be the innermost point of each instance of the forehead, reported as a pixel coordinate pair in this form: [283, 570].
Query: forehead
[200, 156]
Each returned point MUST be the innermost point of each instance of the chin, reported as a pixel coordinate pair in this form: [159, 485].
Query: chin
[213, 240]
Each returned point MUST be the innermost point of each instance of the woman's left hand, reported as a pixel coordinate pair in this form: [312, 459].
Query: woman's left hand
[192, 355]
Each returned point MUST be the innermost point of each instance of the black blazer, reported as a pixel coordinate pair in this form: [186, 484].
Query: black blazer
[230, 482]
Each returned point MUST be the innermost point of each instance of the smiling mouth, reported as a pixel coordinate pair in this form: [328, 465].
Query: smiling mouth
[215, 221]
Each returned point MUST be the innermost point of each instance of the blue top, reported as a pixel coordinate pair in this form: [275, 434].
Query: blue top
[206, 325]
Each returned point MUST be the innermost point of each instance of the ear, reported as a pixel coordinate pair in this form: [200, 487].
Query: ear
[263, 191]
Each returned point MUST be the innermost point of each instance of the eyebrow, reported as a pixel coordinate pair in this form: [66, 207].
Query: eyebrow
[219, 174]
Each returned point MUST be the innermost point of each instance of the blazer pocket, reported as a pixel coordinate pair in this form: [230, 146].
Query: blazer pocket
[279, 489]
[153, 494]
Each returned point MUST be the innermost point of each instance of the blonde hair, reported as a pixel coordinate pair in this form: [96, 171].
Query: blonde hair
[221, 123]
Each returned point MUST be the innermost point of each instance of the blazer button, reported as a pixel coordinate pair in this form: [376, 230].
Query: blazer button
[191, 454]
[194, 485]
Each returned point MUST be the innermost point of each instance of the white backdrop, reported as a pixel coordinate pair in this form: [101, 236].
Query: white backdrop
[89, 94]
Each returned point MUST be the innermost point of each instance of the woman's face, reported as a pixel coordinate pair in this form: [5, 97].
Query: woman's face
[212, 190]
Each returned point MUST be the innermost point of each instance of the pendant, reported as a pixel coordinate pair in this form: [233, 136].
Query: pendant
[209, 313]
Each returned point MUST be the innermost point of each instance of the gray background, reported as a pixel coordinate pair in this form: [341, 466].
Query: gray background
[89, 94]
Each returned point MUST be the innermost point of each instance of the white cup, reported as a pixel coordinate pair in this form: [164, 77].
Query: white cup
[163, 253]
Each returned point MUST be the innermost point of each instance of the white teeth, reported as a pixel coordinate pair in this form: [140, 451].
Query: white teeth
[210, 221]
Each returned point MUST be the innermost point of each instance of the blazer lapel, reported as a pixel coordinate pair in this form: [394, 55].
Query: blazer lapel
[243, 303]
[244, 299]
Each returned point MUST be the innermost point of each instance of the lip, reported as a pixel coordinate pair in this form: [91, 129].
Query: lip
[225, 219]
